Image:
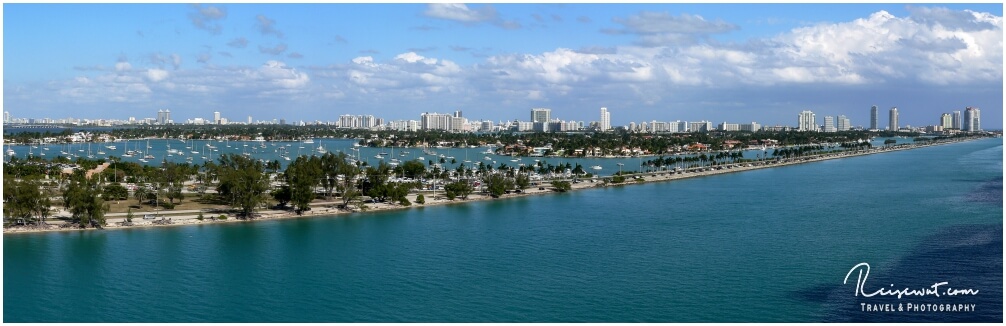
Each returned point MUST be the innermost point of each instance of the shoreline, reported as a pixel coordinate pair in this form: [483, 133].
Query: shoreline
[328, 209]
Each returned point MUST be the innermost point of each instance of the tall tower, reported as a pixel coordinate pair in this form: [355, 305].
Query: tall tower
[605, 122]
[843, 123]
[873, 118]
[216, 117]
[829, 124]
[972, 119]
[894, 119]
[805, 121]
[958, 124]
[946, 121]
[541, 115]
[167, 116]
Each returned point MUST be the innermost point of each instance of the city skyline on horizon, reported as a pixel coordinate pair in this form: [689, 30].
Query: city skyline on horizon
[642, 62]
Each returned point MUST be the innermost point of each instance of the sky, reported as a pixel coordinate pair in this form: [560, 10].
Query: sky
[732, 63]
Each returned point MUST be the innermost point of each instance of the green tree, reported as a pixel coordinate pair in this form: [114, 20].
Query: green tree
[420, 199]
[460, 188]
[302, 176]
[115, 192]
[413, 169]
[282, 195]
[522, 181]
[82, 198]
[561, 186]
[243, 183]
[497, 184]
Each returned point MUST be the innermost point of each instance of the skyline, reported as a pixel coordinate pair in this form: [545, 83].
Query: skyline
[719, 62]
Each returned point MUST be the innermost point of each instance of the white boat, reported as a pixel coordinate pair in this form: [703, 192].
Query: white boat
[321, 149]
[487, 158]
[309, 141]
[596, 167]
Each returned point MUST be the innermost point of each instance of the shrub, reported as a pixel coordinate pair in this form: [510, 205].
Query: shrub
[200, 217]
[222, 217]
[404, 202]
[420, 199]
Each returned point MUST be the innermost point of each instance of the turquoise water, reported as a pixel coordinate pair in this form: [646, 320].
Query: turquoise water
[764, 245]
[211, 150]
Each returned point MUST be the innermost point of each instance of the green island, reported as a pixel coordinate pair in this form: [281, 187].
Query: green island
[106, 193]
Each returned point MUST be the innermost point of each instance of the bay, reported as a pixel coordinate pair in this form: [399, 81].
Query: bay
[764, 245]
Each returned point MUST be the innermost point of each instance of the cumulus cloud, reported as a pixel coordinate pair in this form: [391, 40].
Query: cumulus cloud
[267, 26]
[661, 28]
[276, 50]
[207, 18]
[279, 74]
[156, 75]
[881, 52]
[461, 13]
[239, 43]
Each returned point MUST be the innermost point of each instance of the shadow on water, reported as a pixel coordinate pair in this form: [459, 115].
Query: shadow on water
[965, 256]
[989, 192]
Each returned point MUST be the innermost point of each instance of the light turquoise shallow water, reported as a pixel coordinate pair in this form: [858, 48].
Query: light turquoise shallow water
[764, 245]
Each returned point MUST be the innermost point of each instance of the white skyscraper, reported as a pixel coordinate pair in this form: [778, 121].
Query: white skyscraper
[843, 123]
[541, 115]
[216, 117]
[829, 124]
[958, 124]
[605, 123]
[946, 121]
[893, 119]
[806, 121]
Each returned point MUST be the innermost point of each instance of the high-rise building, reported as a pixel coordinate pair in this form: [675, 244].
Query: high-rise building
[729, 126]
[435, 121]
[958, 123]
[6, 116]
[216, 117]
[167, 116]
[605, 123]
[874, 124]
[701, 126]
[805, 121]
[249, 120]
[972, 119]
[843, 123]
[753, 126]
[541, 115]
[893, 119]
[829, 124]
[682, 126]
[946, 121]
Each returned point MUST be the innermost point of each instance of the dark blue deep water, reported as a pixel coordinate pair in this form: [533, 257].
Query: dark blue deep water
[764, 245]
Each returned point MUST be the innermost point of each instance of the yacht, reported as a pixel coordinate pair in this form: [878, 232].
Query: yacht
[596, 167]
[309, 141]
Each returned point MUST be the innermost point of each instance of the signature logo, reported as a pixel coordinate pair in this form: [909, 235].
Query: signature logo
[937, 289]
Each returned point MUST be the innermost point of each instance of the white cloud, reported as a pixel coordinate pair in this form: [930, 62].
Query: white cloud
[459, 12]
[156, 75]
[123, 66]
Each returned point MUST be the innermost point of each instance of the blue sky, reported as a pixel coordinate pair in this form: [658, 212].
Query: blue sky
[716, 62]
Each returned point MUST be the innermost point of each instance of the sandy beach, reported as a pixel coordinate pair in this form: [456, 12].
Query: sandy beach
[329, 208]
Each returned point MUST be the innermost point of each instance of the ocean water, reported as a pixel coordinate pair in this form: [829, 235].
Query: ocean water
[765, 245]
